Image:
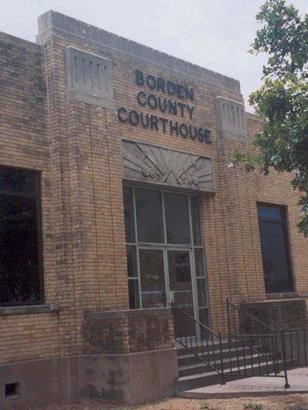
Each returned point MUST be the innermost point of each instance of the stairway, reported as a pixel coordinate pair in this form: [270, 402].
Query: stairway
[205, 357]
[239, 361]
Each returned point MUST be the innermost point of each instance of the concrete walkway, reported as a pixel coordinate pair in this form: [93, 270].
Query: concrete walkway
[254, 386]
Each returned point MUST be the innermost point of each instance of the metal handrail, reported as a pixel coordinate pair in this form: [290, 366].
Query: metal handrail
[197, 352]
[249, 315]
[272, 333]
[196, 320]
[241, 354]
[257, 349]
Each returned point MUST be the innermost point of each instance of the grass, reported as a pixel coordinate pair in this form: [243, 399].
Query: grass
[253, 406]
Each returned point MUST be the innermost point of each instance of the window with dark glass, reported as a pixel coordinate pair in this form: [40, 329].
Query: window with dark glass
[177, 219]
[149, 216]
[275, 248]
[20, 270]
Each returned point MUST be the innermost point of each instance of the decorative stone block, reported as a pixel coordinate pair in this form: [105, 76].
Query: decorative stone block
[162, 166]
[89, 78]
[230, 119]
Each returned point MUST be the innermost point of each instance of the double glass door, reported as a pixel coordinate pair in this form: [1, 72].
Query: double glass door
[165, 276]
[165, 252]
[166, 279]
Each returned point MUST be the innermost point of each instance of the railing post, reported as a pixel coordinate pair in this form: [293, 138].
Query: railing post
[284, 360]
[221, 359]
[276, 368]
[236, 316]
[228, 318]
[305, 353]
[298, 350]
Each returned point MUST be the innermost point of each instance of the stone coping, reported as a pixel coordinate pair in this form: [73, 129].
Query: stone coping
[22, 310]
[127, 313]
[20, 42]
[273, 300]
[73, 29]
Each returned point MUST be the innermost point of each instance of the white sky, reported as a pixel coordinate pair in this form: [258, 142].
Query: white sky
[215, 34]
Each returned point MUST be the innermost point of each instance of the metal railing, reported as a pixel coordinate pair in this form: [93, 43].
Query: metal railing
[267, 342]
[260, 355]
[200, 340]
[296, 346]
[240, 321]
[240, 355]
[290, 345]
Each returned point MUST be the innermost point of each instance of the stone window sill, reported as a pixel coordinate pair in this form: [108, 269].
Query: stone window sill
[23, 310]
[283, 295]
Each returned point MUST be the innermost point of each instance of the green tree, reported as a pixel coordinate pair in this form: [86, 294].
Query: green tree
[282, 100]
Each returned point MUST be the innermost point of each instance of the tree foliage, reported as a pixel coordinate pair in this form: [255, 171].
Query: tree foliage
[282, 100]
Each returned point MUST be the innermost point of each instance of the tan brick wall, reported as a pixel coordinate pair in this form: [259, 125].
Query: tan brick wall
[243, 260]
[77, 147]
[276, 189]
[24, 143]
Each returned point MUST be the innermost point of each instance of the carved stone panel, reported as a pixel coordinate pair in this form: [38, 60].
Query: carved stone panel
[157, 165]
[231, 121]
[88, 78]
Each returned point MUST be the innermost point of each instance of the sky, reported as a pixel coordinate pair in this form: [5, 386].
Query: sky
[215, 34]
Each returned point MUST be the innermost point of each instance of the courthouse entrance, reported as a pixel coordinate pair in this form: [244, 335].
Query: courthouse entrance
[165, 252]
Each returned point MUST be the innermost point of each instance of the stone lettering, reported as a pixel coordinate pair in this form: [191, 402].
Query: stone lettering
[165, 105]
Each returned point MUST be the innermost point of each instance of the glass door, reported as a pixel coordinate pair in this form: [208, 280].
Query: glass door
[166, 278]
[152, 276]
[179, 267]
[180, 288]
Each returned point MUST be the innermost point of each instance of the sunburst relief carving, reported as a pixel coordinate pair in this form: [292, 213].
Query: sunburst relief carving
[149, 163]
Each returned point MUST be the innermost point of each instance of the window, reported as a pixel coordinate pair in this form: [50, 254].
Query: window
[275, 250]
[149, 216]
[20, 279]
[165, 258]
[177, 219]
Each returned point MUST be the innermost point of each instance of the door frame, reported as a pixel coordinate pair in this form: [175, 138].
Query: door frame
[194, 292]
[165, 249]
[164, 246]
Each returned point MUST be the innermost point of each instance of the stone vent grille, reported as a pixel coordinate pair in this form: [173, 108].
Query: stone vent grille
[231, 121]
[89, 77]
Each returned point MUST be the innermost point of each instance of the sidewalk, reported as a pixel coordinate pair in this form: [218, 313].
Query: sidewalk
[254, 386]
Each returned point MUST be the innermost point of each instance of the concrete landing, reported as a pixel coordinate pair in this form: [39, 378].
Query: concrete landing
[253, 386]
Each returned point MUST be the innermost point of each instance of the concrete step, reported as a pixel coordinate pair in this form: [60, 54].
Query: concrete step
[211, 377]
[229, 363]
[187, 357]
[208, 346]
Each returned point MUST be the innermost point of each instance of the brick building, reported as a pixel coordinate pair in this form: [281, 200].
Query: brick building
[117, 200]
